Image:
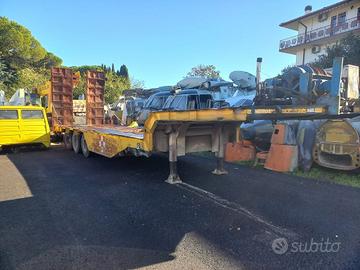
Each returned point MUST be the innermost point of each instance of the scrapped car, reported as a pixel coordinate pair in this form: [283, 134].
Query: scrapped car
[190, 99]
[181, 100]
[154, 103]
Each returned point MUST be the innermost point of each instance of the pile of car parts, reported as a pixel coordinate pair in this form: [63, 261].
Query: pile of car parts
[337, 144]
[283, 154]
[240, 151]
[309, 85]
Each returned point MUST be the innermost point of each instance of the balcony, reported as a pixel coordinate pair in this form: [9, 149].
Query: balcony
[319, 34]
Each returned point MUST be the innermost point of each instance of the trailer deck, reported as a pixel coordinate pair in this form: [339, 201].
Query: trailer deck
[176, 133]
[124, 131]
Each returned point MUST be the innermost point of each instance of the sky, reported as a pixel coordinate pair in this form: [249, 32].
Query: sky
[161, 40]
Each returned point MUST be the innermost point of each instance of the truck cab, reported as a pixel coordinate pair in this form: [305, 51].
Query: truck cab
[23, 125]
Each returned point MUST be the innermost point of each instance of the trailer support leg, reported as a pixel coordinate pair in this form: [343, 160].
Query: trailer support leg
[220, 153]
[173, 176]
[220, 167]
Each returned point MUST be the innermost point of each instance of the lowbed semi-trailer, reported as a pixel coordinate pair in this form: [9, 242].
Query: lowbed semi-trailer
[177, 133]
[174, 132]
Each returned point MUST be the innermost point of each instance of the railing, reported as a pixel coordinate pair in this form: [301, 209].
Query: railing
[320, 33]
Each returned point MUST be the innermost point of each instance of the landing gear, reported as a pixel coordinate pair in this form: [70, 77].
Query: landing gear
[220, 167]
[220, 152]
[173, 178]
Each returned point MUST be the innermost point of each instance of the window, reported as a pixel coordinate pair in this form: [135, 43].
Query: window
[45, 101]
[148, 102]
[333, 25]
[316, 49]
[358, 14]
[341, 18]
[32, 114]
[205, 101]
[333, 21]
[192, 104]
[8, 114]
[168, 102]
[243, 102]
[156, 103]
[178, 103]
[163, 100]
[247, 102]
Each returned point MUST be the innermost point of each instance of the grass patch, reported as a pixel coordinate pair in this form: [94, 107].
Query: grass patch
[347, 178]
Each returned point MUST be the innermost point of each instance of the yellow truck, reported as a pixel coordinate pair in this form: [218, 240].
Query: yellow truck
[23, 125]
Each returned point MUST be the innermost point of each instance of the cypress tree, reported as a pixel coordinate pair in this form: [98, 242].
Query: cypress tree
[124, 71]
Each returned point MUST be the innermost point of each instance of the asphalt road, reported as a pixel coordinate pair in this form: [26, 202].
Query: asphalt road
[59, 210]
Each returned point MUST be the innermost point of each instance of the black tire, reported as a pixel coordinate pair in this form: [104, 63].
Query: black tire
[67, 138]
[75, 138]
[84, 147]
[15, 149]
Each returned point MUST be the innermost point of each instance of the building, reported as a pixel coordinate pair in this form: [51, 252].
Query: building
[319, 29]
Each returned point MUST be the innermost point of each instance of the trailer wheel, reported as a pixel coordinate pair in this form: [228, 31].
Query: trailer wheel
[67, 138]
[84, 147]
[75, 138]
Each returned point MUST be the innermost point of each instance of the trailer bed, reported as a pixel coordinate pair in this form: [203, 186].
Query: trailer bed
[178, 133]
[124, 131]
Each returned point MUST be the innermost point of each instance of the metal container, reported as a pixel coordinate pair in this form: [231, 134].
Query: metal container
[337, 144]
[61, 96]
[95, 86]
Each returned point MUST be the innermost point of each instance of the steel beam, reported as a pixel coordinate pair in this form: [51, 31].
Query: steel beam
[173, 176]
[220, 152]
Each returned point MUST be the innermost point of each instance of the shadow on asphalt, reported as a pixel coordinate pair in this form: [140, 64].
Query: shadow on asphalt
[119, 214]
[100, 213]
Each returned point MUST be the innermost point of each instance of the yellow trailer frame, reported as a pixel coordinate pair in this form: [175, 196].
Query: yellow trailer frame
[174, 132]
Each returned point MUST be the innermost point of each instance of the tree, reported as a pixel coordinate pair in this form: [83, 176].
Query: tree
[112, 68]
[50, 60]
[205, 71]
[137, 83]
[7, 77]
[81, 86]
[23, 59]
[17, 46]
[114, 86]
[30, 78]
[124, 72]
[348, 47]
